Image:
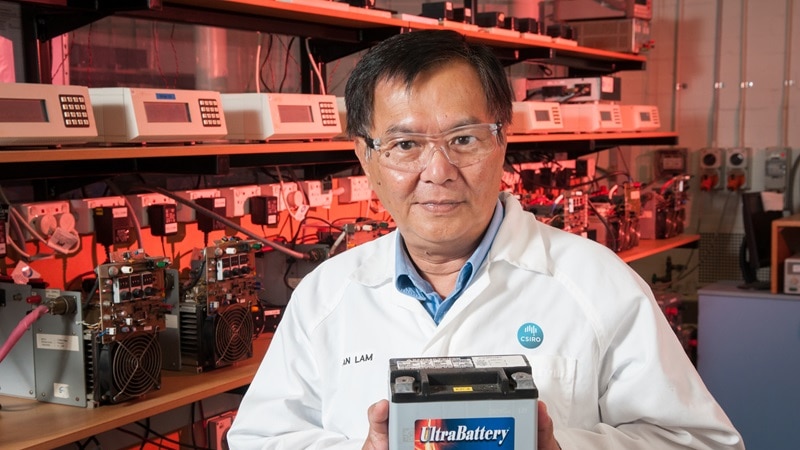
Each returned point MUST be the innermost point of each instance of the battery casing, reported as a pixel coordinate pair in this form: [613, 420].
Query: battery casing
[462, 403]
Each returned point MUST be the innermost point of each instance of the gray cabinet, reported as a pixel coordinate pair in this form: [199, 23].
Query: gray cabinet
[749, 357]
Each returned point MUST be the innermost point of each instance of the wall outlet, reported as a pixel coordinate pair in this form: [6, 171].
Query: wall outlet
[737, 168]
[712, 164]
[317, 197]
[356, 189]
[186, 213]
[140, 203]
[82, 208]
[238, 199]
[776, 168]
[282, 191]
[46, 217]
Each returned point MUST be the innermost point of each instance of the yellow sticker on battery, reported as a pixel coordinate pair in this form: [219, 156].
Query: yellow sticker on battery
[462, 388]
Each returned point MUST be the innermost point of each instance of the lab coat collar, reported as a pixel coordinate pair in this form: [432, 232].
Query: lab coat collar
[519, 242]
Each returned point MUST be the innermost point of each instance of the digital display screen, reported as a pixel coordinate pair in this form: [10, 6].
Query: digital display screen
[542, 115]
[295, 114]
[644, 116]
[22, 110]
[158, 112]
[605, 116]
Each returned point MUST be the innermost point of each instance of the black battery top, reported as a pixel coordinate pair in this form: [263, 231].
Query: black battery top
[490, 377]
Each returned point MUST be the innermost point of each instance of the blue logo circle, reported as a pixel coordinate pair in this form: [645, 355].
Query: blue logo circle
[530, 335]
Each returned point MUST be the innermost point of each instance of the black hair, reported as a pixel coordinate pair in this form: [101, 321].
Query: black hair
[405, 56]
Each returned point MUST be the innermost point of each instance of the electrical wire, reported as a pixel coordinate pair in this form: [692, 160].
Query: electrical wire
[315, 66]
[18, 331]
[286, 62]
[224, 220]
[787, 74]
[260, 40]
[157, 56]
[714, 128]
[742, 75]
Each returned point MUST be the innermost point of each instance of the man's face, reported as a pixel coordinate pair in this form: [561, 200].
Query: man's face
[443, 208]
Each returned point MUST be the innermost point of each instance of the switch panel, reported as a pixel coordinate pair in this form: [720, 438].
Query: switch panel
[355, 189]
[46, 217]
[186, 213]
[84, 211]
[237, 199]
[712, 164]
[737, 168]
[776, 165]
[141, 202]
[316, 195]
[282, 191]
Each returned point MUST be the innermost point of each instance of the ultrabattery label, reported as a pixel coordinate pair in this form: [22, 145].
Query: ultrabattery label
[463, 434]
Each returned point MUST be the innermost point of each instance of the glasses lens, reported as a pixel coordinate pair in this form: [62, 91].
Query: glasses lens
[463, 145]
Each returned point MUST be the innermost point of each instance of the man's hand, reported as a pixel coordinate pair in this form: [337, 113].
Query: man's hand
[547, 441]
[378, 437]
[378, 416]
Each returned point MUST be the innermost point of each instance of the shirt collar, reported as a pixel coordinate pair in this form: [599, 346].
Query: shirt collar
[408, 280]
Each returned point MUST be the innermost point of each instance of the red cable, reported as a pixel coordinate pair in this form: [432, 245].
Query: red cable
[23, 325]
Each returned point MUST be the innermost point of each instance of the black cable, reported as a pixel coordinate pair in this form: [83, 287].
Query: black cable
[609, 231]
[286, 63]
[264, 63]
[146, 434]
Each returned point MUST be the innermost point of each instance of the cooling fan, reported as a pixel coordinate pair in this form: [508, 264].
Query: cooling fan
[128, 368]
[231, 330]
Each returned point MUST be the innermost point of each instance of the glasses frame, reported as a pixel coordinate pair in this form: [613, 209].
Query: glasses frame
[374, 144]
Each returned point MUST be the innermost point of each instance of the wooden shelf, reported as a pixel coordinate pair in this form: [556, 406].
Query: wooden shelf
[650, 247]
[29, 424]
[68, 153]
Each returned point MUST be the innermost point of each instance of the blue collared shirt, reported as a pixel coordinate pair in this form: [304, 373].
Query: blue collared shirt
[408, 281]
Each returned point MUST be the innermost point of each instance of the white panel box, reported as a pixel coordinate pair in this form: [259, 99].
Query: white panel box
[273, 116]
[536, 117]
[143, 115]
[591, 117]
[640, 117]
[45, 114]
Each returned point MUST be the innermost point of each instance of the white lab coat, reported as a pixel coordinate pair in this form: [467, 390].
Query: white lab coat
[610, 369]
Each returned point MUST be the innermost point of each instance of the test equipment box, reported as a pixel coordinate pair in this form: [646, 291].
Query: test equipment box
[141, 115]
[275, 116]
[791, 274]
[45, 115]
[464, 402]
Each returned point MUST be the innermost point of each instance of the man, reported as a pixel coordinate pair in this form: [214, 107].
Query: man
[467, 273]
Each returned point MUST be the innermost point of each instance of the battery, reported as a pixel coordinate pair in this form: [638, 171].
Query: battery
[462, 403]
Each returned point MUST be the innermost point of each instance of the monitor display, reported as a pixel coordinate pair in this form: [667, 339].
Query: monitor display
[161, 112]
[542, 115]
[295, 114]
[605, 116]
[22, 110]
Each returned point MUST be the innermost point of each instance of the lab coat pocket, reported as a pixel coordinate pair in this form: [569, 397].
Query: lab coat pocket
[555, 379]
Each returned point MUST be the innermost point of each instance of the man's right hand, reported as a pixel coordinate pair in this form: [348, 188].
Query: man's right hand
[378, 416]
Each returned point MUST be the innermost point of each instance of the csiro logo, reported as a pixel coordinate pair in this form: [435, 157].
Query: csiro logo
[530, 335]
